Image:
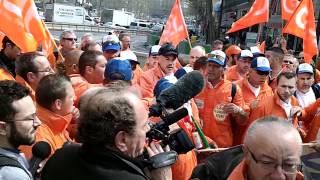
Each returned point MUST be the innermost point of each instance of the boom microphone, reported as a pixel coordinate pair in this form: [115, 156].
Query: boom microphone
[171, 118]
[40, 151]
[187, 87]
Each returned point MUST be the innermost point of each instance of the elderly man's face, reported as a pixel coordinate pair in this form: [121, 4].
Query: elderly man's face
[273, 158]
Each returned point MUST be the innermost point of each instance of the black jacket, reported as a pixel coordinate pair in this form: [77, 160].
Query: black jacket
[75, 162]
[7, 63]
[218, 166]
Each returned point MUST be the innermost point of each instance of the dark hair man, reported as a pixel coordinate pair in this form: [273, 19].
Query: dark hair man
[31, 68]
[8, 55]
[91, 66]
[113, 126]
[275, 56]
[18, 123]
[217, 45]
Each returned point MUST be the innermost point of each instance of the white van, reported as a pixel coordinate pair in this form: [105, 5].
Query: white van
[140, 25]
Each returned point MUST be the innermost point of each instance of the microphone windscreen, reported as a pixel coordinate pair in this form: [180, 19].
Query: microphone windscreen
[187, 87]
[41, 150]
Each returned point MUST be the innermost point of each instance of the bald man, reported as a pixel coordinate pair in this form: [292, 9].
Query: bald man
[196, 53]
[263, 155]
[71, 61]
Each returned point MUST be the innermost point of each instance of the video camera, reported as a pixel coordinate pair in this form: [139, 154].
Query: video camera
[178, 140]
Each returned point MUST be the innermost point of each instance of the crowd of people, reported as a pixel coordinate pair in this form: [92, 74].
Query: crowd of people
[90, 104]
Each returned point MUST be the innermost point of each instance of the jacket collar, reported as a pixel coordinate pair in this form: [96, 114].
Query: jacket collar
[55, 122]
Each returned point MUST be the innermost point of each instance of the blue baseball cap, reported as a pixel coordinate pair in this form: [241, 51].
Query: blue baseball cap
[163, 84]
[261, 64]
[218, 57]
[111, 42]
[119, 67]
[182, 71]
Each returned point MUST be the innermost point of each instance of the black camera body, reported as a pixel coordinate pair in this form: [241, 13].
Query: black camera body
[178, 140]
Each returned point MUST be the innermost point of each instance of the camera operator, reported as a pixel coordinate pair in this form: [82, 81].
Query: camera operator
[112, 127]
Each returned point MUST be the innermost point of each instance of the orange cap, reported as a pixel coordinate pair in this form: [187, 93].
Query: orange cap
[233, 50]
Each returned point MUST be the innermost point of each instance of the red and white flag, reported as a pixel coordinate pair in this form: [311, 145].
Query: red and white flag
[258, 13]
[288, 7]
[302, 24]
[175, 29]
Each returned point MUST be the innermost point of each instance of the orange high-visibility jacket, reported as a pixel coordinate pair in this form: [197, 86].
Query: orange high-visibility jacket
[5, 75]
[21, 81]
[148, 80]
[251, 101]
[52, 130]
[232, 74]
[311, 119]
[217, 125]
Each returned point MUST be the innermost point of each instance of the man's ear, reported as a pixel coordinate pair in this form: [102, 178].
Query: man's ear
[88, 69]
[3, 128]
[246, 153]
[31, 77]
[120, 141]
[57, 105]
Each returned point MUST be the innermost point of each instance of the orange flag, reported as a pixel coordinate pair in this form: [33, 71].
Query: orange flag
[302, 24]
[258, 13]
[48, 42]
[1, 38]
[262, 47]
[175, 29]
[287, 8]
[21, 23]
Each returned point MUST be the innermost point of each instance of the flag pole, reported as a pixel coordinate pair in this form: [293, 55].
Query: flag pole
[189, 42]
[54, 43]
[259, 32]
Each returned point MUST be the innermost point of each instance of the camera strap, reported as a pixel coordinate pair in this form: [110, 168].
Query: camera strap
[163, 159]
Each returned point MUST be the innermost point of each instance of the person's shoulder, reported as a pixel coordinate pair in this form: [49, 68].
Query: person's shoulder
[13, 173]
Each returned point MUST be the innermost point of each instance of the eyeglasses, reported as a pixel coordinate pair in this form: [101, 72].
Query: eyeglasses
[263, 73]
[48, 69]
[70, 39]
[33, 119]
[288, 168]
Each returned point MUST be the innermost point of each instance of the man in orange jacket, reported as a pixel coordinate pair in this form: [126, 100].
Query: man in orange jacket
[31, 68]
[283, 104]
[254, 89]
[166, 65]
[91, 72]
[8, 56]
[217, 107]
[54, 97]
[241, 69]
[264, 150]
[275, 56]
[152, 60]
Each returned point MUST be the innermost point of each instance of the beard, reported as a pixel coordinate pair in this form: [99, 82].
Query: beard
[17, 138]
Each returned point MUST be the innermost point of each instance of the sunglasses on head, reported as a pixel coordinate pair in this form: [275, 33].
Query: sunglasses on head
[263, 73]
[70, 39]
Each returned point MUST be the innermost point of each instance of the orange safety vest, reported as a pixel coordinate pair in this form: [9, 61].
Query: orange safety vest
[311, 119]
[217, 125]
[148, 80]
[251, 101]
[5, 75]
[232, 74]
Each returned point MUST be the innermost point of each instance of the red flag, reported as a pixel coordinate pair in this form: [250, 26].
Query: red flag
[258, 13]
[302, 24]
[22, 24]
[262, 47]
[48, 42]
[287, 8]
[175, 29]
[1, 38]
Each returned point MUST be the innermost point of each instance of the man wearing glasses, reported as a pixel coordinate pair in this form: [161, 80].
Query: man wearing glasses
[254, 89]
[264, 155]
[31, 68]
[18, 124]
